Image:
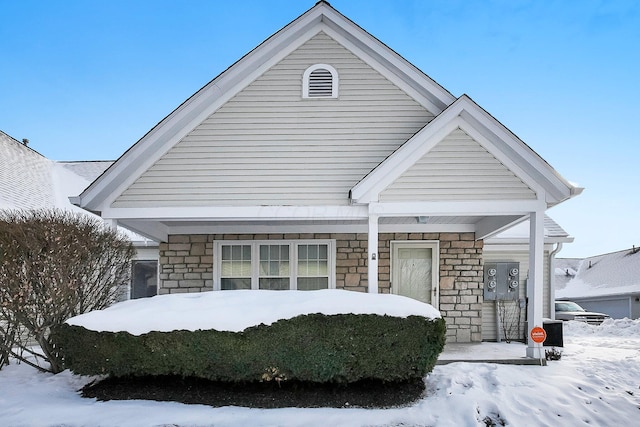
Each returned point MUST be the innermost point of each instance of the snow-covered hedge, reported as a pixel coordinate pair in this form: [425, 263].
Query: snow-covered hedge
[316, 347]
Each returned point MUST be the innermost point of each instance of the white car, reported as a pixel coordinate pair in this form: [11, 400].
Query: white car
[569, 310]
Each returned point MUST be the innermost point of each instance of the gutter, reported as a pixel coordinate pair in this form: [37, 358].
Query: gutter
[552, 285]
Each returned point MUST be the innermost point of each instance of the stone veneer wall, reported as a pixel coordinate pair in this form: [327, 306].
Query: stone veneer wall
[186, 265]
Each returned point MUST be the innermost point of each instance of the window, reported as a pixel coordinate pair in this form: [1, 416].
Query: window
[144, 279]
[275, 273]
[235, 267]
[274, 264]
[320, 81]
[313, 267]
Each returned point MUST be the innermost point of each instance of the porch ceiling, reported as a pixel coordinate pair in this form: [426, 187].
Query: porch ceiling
[159, 230]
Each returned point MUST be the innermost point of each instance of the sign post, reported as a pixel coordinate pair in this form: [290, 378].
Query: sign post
[538, 335]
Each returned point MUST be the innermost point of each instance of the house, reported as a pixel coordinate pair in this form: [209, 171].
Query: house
[28, 180]
[608, 283]
[323, 159]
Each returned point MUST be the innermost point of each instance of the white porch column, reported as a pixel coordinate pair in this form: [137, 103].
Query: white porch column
[535, 283]
[111, 223]
[372, 263]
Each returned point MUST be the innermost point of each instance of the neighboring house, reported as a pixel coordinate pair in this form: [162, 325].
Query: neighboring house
[323, 159]
[28, 180]
[608, 283]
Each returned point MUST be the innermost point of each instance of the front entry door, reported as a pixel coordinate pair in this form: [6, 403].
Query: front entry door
[414, 270]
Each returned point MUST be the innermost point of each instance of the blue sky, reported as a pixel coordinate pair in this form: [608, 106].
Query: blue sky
[84, 80]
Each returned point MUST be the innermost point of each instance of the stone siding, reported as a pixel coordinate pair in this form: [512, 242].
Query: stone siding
[186, 265]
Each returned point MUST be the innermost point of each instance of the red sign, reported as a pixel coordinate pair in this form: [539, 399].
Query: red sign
[538, 335]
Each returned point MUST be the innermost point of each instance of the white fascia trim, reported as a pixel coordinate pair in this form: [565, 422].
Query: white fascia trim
[458, 208]
[233, 213]
[195, 110]
[389, 63]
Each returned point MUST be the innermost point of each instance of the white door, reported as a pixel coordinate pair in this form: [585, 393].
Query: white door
[414, 270]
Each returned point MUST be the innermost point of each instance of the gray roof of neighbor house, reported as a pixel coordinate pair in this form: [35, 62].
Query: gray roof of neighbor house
[25, 176]
[89, 170]
[609, 274]
[28, 180]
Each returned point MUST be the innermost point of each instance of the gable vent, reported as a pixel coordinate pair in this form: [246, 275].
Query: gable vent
[320, 81]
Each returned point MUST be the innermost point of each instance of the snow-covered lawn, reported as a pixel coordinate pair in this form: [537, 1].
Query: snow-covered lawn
[596, 383]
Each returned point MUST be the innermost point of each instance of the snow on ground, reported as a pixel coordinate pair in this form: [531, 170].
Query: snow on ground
[596, 383]
[219, 310]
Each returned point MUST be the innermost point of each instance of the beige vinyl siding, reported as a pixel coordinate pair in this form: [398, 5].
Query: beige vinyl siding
[457, 168]
[269, 146]
[489, 307]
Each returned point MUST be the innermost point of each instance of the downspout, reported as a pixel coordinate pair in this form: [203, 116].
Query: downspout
[552, 284]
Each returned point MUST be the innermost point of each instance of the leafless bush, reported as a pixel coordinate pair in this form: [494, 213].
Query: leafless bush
[54, 265]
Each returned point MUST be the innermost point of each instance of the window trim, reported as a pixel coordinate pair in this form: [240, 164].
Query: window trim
[293, 259]
[334, 81]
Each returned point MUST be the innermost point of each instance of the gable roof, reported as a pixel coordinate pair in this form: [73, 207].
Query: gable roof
[507, 148]
[188, 174]
[268, 145]
[321, 17]
[601, 275]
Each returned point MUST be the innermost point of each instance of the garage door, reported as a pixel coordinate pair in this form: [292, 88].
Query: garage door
[616, 308]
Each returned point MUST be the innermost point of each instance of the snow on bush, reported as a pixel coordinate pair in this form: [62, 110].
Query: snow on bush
[237, 310]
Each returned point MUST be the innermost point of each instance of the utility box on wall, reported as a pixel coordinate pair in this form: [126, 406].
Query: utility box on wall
[501, 281]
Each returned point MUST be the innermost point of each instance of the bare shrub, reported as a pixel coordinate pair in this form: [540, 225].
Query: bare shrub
[54, 265]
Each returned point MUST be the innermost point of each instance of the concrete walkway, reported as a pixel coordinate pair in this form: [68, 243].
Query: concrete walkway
[513, 353]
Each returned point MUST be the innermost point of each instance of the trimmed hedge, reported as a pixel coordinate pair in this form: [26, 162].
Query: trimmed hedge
[317, 348]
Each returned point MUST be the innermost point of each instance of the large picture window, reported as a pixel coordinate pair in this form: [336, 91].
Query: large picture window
[274, 264]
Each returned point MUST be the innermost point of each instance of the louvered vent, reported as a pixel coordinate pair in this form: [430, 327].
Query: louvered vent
[320, 83]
